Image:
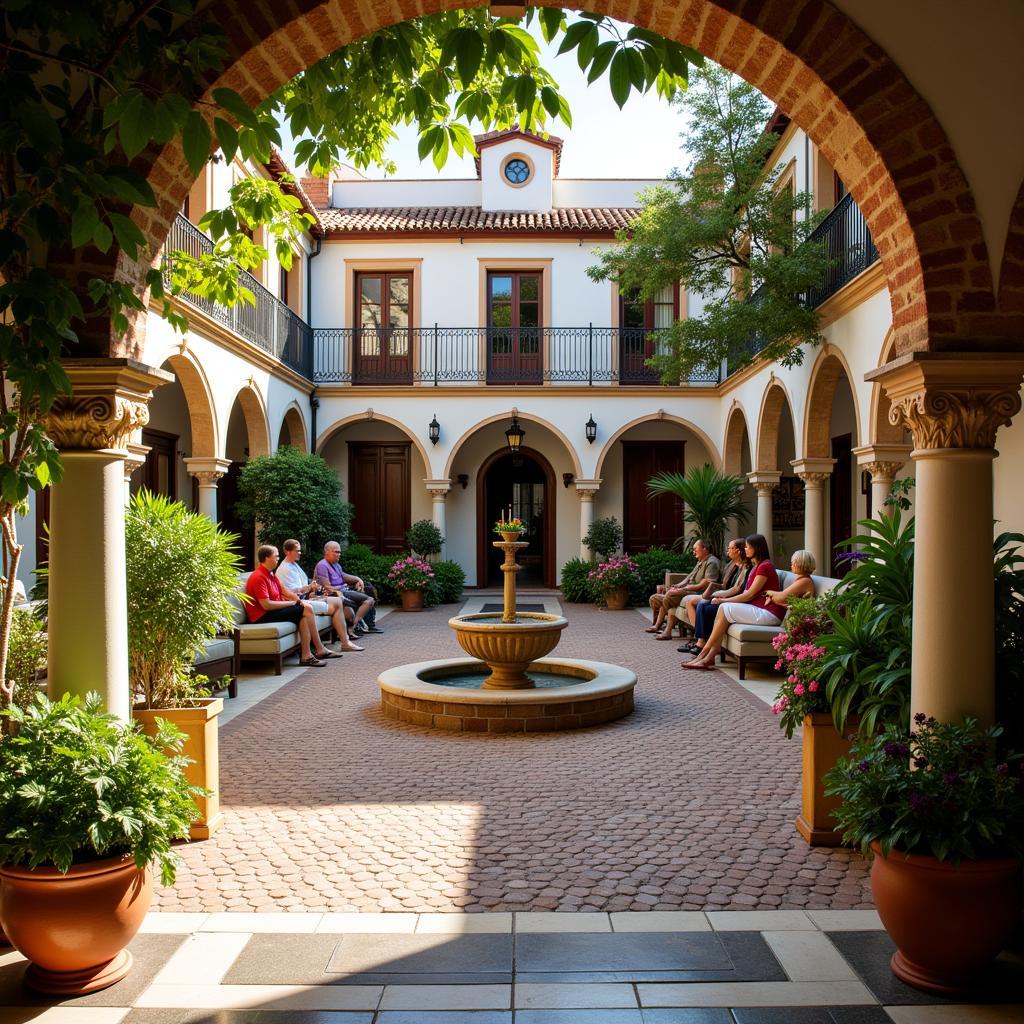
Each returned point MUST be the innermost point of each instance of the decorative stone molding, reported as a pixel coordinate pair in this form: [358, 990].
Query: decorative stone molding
[587, 489]
[109, 399]
[438, 489]
[813, 472]
[952, 399]
[896, 454]
[882, 470]
[814, 480]
[763, 482]
[207, 471]
[136, 459]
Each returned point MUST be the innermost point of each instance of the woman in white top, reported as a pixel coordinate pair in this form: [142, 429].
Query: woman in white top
[295, 579]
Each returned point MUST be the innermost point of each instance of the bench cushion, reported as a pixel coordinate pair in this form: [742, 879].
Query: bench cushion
[214, 650]
[266, 630]
[753, 634]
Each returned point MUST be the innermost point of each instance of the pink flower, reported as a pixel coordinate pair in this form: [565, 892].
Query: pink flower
[778, 665]
[799, 689]
[813, 686]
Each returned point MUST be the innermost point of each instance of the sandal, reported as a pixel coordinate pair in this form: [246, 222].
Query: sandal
[351, 647]
[652, 629]
[327, 653]
[311, 662]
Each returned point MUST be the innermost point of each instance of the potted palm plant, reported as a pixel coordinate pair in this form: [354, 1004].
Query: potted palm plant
[91, 807]
[182, 571]
[711, 500]
[942, 815]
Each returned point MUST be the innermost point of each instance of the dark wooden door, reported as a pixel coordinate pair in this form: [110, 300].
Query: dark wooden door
[160, 472]
[514, 351]
[378, 487]
[650, 522]
[840, 489]
[382, 351]
[227, 498]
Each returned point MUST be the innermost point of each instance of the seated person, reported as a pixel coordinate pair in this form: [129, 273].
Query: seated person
[294, 577]
[699, 607]
[361, 598]
[762, 603]
[708, 569]
[270, 602]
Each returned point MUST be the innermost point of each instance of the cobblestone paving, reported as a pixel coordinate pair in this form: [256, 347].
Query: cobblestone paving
[686, 804]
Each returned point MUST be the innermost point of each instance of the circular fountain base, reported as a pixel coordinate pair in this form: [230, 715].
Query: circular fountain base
[569, 694]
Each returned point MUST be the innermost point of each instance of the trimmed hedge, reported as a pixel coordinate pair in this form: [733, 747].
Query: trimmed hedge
[653, 564]
[359, 560]
[574, 583]
[449, 579]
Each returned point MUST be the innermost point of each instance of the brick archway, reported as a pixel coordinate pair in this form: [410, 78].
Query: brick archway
[774, 406]
[812, 59]
[829, 370]
[735, 431]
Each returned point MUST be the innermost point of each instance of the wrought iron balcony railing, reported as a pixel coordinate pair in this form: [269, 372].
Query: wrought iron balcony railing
[437, 356]
[269, 323]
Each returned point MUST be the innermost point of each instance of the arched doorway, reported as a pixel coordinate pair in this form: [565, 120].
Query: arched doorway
[247, 437]
[524, 484]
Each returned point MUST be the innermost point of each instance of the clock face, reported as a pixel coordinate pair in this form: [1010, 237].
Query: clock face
[517, 171]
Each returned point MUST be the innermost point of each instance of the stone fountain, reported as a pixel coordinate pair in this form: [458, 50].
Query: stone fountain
[508, 685]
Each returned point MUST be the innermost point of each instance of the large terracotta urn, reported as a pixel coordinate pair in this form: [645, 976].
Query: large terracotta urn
[412, 600]
[74, 928]
[948, 922]
[617, 598]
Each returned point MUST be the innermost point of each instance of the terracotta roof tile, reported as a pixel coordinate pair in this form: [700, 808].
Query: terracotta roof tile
[414, 220]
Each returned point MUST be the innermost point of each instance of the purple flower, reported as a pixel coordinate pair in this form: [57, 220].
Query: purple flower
[950, 778]
[920, 762]
[920, 718]
[919, 801]
[896, 749]
[864, 766]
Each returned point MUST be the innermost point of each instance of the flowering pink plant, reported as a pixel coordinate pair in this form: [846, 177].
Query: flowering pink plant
[410, 573]
[509, 526]
[801, 658]
[618, 571]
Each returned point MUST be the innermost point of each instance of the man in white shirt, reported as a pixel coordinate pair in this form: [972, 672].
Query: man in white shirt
[292, 575]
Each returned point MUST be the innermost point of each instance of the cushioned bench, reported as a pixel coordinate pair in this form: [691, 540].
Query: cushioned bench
[217, 660]
[754, 643]
[270, 641]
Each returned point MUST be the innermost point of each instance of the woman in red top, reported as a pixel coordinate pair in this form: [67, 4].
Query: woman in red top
[761, 604]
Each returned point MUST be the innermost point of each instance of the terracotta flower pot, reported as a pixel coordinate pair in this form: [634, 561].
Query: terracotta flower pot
[948, 923]
[823, 745]
[617, 598]
[75, 927]
[511, 535]
[412, 600]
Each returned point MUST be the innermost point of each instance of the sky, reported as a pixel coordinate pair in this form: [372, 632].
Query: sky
[639, 141]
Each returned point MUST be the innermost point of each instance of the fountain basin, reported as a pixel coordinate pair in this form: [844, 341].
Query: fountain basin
[595, 693]
[508, 647]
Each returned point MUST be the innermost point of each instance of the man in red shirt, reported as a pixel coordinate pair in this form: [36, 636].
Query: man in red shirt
[272, 602]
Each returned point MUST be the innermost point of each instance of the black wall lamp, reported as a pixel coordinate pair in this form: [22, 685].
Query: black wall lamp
[591, 428]
[434, 429]
[514, 436]
[463, 479]
[567, 478]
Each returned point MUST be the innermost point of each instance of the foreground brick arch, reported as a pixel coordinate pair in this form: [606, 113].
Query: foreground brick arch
[774, 405]
[735, 431]
[808, 56]
[830, 368]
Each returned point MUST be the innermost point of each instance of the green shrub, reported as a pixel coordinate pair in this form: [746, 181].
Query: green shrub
[604, 537]
[652, 565]
[294, 494]
[449, 580]
[181, 573]
[26, 655]
[575, 580]
[424, 538]
[77, 784]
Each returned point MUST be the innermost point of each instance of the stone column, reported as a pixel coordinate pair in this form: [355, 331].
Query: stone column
[586, 489]
[953, 404]
[883, 462]
[438, 490]
[134, 461]
[88, 620]
[764, 483]
[208, 473]
[815, 473]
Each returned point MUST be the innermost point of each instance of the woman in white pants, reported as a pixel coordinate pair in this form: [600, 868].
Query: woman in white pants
[763, 603]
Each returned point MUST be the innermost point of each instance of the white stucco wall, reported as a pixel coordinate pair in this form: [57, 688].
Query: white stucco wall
[497, 194]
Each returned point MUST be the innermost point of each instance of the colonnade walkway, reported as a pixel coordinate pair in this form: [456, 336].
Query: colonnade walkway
[643, 872]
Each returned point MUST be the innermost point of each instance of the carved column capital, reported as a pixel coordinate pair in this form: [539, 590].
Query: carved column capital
[882, 470]
[587, 489]
[109, 399]
[207, 471]
[952, 399]
[764, 482]
[813, 472]
[135, 459]
[438, 489]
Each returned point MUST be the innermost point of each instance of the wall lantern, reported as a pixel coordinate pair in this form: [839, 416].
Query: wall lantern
[514, 436]
[463, 479]
[435, 430]
[567, 478]
[591, 428]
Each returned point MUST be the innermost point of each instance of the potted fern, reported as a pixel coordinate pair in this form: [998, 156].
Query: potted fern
[182, 571]
[91, 807]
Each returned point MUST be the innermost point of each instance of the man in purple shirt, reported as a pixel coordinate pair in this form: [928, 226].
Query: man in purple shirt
[330, 575]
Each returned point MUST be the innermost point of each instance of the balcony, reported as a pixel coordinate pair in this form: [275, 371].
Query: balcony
[269, 324]
[438, 356]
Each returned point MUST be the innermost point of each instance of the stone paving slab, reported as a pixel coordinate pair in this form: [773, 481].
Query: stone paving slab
[687, 804]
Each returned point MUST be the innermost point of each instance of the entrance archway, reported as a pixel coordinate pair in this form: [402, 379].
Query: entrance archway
[526, 484]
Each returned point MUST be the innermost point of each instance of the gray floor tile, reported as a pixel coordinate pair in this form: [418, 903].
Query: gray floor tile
[692, 1015]
[422, 954]
[811, 1015]
[868, 953]
[444, 1017]
[752, 957]
[631, 951]
[151, 952]
[438, 978]
[859, 1015]
[299, 959]
[579, 1017]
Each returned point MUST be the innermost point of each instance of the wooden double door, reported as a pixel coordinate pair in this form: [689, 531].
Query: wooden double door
[379, 489]
[650, 522]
